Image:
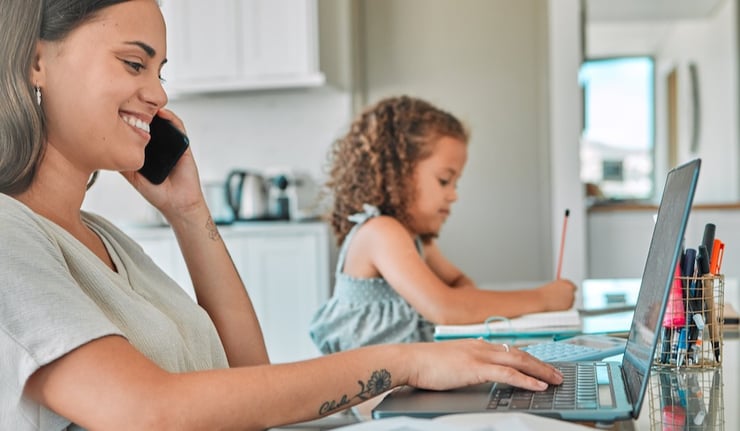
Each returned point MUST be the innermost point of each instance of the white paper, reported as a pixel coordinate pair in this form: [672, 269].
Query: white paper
[569, 319]
[468, 422]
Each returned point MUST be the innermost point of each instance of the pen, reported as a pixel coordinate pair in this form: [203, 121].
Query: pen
[702, 262]
[710, 318]
[699, 321]
[562, 244]
[674, 345]
[665, 349]
[681, 352]
[689, 284]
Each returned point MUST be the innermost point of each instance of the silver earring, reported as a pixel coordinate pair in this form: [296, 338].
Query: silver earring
[38, 95]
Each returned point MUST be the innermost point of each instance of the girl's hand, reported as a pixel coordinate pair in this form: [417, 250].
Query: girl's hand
[557, 295]
[450, 364]
[180, 191]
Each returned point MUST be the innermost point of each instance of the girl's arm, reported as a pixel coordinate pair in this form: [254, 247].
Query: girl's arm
[384, 247]
[107, 384]
[444, 269]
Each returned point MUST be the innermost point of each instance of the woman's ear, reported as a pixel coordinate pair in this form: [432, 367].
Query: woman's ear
[38, 69]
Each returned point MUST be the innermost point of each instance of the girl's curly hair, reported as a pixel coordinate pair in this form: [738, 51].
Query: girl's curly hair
[374, 162]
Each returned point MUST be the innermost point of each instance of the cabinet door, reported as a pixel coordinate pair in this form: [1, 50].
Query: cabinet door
[227, 45]
[278, 38]
[283, 274]
[202, 41]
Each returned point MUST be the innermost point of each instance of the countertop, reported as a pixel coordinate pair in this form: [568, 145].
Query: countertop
[621, 206]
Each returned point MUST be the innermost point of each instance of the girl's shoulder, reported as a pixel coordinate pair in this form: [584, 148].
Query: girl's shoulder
[383, 225]
[384, 232]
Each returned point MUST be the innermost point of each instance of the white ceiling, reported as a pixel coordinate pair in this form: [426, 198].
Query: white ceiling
[649, 10]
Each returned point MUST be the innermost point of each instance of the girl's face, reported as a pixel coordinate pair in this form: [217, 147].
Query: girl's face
[435, 182]
[101, 87]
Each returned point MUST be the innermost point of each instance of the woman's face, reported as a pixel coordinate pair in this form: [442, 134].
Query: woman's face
[101, 87]
[435, 181]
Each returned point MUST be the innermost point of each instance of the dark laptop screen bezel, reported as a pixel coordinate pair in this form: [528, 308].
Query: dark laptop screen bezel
[658, 275]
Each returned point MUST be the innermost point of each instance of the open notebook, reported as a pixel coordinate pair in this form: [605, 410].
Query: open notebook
[529, 325]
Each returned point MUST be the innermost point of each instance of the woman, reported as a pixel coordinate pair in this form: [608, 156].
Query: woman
[92, 334]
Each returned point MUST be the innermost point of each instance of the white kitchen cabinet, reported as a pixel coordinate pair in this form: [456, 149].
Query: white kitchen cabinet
[284, 266]
[228, 45]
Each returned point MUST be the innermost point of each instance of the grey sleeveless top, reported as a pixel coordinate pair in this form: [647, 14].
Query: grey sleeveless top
[365, 311]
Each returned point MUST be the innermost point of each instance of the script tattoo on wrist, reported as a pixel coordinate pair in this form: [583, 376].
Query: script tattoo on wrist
[212, 230]
[379, 382]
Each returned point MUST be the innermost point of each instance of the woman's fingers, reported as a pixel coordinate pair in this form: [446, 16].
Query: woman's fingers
[527, 365]
[446, 365]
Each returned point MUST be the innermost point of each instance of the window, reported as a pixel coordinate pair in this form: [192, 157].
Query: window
[618, 135]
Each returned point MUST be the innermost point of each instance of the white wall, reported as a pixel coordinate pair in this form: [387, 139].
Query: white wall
[488, 62]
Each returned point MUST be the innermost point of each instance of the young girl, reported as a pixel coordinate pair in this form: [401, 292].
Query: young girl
[393, 180]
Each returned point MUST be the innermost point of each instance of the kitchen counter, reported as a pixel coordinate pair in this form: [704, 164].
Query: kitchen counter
[609, 206]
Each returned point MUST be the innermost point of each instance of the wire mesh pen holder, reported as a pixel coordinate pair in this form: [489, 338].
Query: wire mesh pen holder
[692, 329]
[687, 399]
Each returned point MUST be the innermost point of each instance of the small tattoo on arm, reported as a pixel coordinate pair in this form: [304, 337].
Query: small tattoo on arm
[212, 230]
[379, 382]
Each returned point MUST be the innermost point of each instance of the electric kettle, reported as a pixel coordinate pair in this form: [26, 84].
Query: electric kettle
[246, 194]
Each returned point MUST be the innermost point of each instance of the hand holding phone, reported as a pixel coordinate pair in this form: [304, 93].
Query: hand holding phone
[166, 146]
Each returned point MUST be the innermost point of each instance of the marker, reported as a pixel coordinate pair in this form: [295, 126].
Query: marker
[708, 293]
[675, 317]
[708, 238]
[709, 305]
[689, 284]
[562, 244]
[718, 251]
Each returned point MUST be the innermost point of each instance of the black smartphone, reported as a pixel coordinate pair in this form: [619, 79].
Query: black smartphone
[163, 150]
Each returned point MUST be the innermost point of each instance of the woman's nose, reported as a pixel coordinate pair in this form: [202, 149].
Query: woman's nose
[154, 94]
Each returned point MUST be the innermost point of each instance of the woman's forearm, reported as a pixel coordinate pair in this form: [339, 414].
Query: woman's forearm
[267, 396]
[219, 288]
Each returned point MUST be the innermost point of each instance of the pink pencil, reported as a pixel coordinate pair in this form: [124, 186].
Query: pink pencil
[562, 244]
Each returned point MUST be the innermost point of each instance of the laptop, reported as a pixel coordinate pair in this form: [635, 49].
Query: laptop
[614, 391]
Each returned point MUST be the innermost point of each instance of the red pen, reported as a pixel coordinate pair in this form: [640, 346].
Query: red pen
[718, 251]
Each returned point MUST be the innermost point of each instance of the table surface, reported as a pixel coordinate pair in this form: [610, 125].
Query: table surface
[720, 393]
[711, 397]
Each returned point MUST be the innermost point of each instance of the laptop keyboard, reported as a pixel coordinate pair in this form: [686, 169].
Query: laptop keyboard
[585, 386]
[566, 352]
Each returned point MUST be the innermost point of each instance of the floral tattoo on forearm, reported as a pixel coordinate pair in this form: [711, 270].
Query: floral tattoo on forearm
[212, 230]
[379, 382]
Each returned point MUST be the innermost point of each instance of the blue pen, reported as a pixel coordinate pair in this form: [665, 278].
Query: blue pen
[681, 353]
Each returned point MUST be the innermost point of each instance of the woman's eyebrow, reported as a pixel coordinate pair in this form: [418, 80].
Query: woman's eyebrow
[150, 52]
[148, 49]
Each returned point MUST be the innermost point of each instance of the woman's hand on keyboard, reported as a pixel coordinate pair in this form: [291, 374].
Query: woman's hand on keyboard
[451, 364]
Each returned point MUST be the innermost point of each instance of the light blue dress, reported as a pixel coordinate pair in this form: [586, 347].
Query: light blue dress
[365, 311]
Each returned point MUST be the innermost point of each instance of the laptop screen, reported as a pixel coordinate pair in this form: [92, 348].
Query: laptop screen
[663, 254]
